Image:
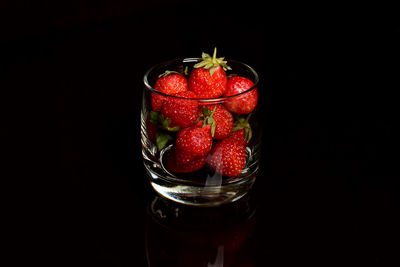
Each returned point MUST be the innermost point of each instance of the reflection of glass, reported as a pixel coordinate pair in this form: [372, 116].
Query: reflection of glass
[205, 186]
[178, 235]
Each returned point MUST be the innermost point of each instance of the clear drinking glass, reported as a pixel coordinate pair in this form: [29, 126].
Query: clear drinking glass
[205, 186]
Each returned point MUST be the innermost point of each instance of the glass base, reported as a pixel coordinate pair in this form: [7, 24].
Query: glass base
[203, 196]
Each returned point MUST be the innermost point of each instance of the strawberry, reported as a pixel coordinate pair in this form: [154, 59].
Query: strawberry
[227, 157]
[182, 157]
[182, 112]
[242, 130]
[244, 103]
[194, 141]
[169, 83]
[239, 136]
[223, 120]
[198, 124]
[208, 78]
[191, 166]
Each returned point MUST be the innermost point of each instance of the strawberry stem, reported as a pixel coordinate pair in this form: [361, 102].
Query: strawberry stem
[212, 63]
[168, 72]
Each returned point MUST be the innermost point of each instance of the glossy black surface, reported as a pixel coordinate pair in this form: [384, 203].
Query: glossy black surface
[329, 181]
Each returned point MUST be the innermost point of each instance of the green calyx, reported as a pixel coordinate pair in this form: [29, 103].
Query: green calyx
[243, 123]
[162, 139]
[212, 63]
[208, 119]
[154, 117]
[181, 70]
[163, 123]
[168, 72]
[163, 136]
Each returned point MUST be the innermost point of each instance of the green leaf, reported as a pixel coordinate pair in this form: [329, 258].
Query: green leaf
[154, 117]
[237, 128]
[165, 123]
[200, 64]
[212, 70]
[213, 126]
[162, 139]
[208, 65]
[173, 129]
[209, 120]
[211, 63]
[205, 55]
[206, 111]
[246, 133]
[242, 122]
[226, 67]
[168, 72]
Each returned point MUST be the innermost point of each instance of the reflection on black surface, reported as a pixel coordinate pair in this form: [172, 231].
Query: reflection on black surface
[178, 235]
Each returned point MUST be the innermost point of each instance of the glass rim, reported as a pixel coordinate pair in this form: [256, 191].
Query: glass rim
[192, 60]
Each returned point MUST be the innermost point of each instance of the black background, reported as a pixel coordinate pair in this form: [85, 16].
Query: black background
[328, 184]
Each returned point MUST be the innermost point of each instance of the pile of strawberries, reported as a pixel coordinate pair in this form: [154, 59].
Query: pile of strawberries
[205, 133]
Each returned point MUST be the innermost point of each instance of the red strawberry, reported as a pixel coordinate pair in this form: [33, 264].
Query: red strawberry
[169, 83]
[242, 130]
[223, 121]
[184, 158]
[199, 124]
[244, 103]
[194, 141]
[208, 78]
[194, 165]
[227, 157]
[239, 136]
[182, 112]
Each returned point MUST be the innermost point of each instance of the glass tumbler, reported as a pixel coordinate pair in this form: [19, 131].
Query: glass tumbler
[201, 151]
